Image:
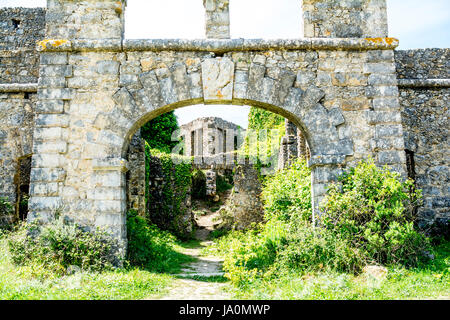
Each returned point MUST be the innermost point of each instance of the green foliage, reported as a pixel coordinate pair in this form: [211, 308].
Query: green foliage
[150, 247]
[373, 209]
[167, 212]
[367, 220]
[260, 119]
[288, 193]
[198, 184]
[6, 212]
[258, 144]
[158, 132]
[61, 244]
[222, 184]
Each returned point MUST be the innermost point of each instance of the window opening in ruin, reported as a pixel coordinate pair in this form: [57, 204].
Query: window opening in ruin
[410, 164]
[22, 180]
[161, 19]
[192, 143]
[266, 19]
[16, 23]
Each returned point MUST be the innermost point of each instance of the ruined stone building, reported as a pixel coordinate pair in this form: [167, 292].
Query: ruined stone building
[208, 140]
[74, 100]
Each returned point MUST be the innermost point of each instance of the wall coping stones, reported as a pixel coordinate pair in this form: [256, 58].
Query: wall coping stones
[424, 83]
[216, 45]
[18, 87]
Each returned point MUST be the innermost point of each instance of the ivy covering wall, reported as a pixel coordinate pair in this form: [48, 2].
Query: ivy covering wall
[169, 188]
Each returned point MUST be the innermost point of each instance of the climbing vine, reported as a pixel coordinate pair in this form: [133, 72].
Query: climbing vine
[169, 185]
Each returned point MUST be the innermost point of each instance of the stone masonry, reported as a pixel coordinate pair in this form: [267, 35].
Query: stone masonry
[338, 85]
[425, 98]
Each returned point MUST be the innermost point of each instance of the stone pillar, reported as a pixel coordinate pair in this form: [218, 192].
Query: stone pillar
[289, 146]
[136, 175]
[245, 203]
[356, 19]
[211, 178]
[302, 147]
[217, 19]
[85, 19]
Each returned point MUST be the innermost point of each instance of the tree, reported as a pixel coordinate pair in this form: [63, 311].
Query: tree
[158, 132]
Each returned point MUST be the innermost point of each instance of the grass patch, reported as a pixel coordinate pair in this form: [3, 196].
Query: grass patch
[34, 282]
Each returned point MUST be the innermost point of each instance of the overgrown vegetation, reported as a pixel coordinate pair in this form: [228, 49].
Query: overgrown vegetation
[151, 248]
[60, 260]
[167, 209]
[198, 184]
[60, 246]
[36, 281]
[260, 144]
[346, 241]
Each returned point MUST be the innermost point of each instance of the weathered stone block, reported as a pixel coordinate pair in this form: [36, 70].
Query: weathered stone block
[50, 106]
[218, 79]
[47, 175]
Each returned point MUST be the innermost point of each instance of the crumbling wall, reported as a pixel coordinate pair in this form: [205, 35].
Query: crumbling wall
[217, 22]
[425, 117]
[244, 206]
[20, 28]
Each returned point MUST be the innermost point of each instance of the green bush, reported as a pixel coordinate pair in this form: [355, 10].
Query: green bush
[222, 184]
[62, 244]
[288, 193]
[367, 220]
[373, 209]
[150, 247]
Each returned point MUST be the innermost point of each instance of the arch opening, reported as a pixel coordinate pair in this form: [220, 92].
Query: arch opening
[225, 163]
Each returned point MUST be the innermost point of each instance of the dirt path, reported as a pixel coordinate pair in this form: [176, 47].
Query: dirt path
[199, 279]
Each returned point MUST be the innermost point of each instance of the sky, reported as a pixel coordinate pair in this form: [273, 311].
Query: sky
[417, 23]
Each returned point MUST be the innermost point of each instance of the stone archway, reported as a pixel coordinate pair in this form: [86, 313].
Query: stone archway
[110, 91]
[166, 89]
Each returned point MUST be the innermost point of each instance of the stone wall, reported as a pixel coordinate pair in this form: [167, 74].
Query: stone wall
[17, 115]
[20, 29]
[136, 175]
[217, 19]
[425, 116]
[85, 19]
[244, 206]
[345, 18]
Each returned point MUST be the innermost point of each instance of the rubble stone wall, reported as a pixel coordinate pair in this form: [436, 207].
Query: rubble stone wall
[425, 116]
